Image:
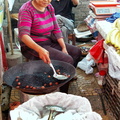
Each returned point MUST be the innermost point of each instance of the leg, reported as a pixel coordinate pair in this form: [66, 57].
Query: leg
[55, 52]
[66, 26]
[29, 53]
[74, 52]
[65, 33]
[62, 21]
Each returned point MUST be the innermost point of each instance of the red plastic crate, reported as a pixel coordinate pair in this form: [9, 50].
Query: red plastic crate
[104, 3]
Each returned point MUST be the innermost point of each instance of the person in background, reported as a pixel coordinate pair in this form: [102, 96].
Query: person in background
[64, 15]
[36, 25]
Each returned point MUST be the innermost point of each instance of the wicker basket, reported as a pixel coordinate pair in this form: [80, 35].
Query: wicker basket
[112, 95]
[82, 27]
[85, 48]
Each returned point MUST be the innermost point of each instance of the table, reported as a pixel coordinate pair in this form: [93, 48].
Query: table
[103, 27]
[111, 87]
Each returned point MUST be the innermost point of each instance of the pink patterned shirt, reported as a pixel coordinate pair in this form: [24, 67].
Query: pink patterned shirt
[33, 22]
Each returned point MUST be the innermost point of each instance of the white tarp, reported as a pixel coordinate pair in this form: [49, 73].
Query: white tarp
[77, 108]
[1, 1]
[11, 3]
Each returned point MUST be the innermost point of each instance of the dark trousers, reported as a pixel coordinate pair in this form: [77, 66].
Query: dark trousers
[55, 52]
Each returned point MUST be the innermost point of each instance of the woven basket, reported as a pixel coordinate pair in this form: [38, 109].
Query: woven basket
[85, 48]
[112, 95]
[82, 27]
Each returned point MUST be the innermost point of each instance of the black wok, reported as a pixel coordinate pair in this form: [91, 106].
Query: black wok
[35, 77]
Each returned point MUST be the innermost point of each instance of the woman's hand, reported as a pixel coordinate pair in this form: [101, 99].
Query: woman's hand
[62, 44]
[64, 50]
[44, 55]
[75, 2]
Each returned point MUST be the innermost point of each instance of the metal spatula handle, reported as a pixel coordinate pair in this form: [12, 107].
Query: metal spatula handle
[51, 65]
[57, 76]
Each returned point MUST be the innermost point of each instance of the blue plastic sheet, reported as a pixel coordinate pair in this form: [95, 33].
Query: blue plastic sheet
[113, 17]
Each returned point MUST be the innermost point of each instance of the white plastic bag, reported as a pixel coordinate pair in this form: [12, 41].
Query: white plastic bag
[113, 62]
[86, 65]
[33, 108]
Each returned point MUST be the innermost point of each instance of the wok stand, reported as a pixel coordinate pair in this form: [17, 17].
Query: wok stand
[25, 97]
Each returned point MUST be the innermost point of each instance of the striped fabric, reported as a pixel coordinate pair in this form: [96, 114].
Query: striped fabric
[33, 22]
[91, 23]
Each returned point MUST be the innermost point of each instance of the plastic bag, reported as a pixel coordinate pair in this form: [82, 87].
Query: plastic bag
[97, 52]
[86, 65]
[113, 62]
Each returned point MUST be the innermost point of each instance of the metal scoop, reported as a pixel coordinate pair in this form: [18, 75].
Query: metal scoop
[19, 118]
[57, 76]
[54, 110]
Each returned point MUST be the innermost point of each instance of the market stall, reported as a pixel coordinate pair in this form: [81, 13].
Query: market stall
[24, 111]
[106, 35]
[112, 86]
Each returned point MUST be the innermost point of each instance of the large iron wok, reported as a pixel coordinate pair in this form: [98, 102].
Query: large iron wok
[35, 77]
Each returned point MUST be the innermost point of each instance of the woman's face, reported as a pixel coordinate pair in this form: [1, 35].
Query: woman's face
[42, 3]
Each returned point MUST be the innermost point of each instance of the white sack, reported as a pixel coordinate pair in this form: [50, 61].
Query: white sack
[33, 108]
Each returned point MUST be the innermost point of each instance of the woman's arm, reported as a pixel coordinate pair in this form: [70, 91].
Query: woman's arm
[43, 53]
[24, 26]
[62, 44]
[75, 2]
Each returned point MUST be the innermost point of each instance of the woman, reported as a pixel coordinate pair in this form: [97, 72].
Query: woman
[36, 24]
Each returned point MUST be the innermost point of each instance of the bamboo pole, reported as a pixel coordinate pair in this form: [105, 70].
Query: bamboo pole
[9, 25]
[0, 101]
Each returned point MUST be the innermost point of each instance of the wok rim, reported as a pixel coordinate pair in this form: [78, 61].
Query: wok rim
[40, 91]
